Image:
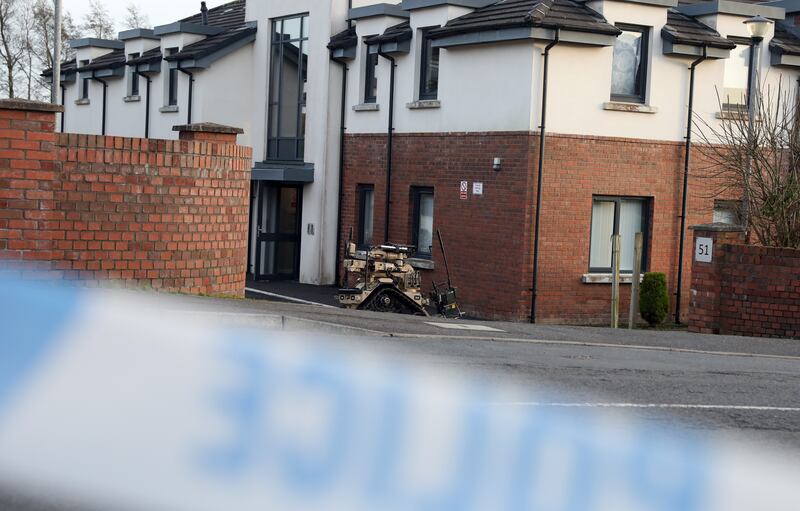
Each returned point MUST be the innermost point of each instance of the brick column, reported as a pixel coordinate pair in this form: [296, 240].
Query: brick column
[29, 220]
[208, 132]
[704, 313]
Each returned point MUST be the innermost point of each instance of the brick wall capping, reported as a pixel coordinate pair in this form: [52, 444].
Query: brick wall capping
[208, 127]
[28, 105]
[718, 227]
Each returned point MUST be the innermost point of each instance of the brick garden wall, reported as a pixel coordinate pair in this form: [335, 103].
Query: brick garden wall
[490, 238]
[170, 215]
[745, 290]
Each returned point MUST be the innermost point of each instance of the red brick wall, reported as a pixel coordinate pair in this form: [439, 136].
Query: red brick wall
[746, 290]
[170, 215]
[490, 238]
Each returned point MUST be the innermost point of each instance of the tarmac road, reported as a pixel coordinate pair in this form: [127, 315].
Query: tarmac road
[747, 387]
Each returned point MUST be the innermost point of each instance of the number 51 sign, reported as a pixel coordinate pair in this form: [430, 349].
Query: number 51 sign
[704, 250]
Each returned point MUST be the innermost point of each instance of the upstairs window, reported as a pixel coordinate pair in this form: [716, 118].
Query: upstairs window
[133, 84]
[629, 73]
[370, 77]
[734, 81]
[172, 85]
[429, 70]
[84, 90]
[287, 89]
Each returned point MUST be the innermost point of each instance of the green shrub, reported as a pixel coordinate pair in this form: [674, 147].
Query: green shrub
[654, 298]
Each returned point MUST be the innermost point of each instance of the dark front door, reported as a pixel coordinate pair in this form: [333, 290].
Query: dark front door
[278, 217]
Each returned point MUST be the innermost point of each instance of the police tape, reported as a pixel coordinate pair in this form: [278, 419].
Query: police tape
[108, 401]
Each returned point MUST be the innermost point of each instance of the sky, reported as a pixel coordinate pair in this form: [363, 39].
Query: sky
[160, 12]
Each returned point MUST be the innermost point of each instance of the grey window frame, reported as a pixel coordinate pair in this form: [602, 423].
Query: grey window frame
[134, 83]
[416, 197]
[172, 86]
[646, 206]
[361, 191]
[370, 74]
[84, 90]
[273, 140]
[424, 69]
[641, 96]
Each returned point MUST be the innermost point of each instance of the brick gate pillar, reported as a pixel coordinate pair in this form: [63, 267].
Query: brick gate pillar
[707, 268]
[208, 132]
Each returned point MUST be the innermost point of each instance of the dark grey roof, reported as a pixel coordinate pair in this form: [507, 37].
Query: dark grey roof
[786, 40]
[227, 16]
[345, 39]
[147, 57]
[394, 34]
[109, 61]
[505, 14]
[212, 44]
[683, 29]
[67, 67]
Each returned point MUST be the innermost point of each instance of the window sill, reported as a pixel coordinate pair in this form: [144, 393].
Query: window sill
[606, 278]
[421, 264]
[734, 115]
[169, 109]
[424, 104]
[132, 99]
[622, 106]
[81, 102]
[366, 107]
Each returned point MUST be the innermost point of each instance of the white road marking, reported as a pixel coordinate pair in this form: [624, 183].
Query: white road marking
[461, 326]
[288, 298]
[746, 408]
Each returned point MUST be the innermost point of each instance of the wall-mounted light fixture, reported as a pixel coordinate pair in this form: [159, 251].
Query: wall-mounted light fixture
[497, 164]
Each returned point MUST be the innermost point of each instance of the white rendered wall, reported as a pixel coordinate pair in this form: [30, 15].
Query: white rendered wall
[323, 89]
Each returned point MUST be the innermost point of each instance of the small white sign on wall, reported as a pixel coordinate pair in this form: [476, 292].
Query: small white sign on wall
[477, 188]
[704, 250]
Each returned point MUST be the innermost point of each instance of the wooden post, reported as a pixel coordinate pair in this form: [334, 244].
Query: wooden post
[637, 272]
[615, 250]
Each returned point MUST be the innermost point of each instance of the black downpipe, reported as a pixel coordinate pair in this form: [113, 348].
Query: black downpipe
[389, 136]
[146, 103]
[535, 289]
[342, 130]
[686, 158]
[191, 91]
[105, 95]
[64, 112]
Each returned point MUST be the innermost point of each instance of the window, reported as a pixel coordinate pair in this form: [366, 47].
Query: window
[172, 84]
[133, 88]
[422, 234]
[366, 215]
[629, 73]
[616, 215]
[734, 82]
[287, 94]
[429, 70]
[370, 77]
[728, 212]
[84, 91]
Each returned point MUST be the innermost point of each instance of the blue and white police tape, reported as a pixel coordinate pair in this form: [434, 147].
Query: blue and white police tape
[107, 400]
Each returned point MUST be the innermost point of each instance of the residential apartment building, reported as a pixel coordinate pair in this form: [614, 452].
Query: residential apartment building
[443, 111]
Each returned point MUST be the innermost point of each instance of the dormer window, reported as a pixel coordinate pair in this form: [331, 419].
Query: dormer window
[84, 82]
[133, 81]
[629, 73]
[172, 86]
[370, 77]
[429, 68]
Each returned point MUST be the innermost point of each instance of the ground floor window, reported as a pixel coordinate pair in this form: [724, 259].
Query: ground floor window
[422, 226]
[366, 215]
[617, 215]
